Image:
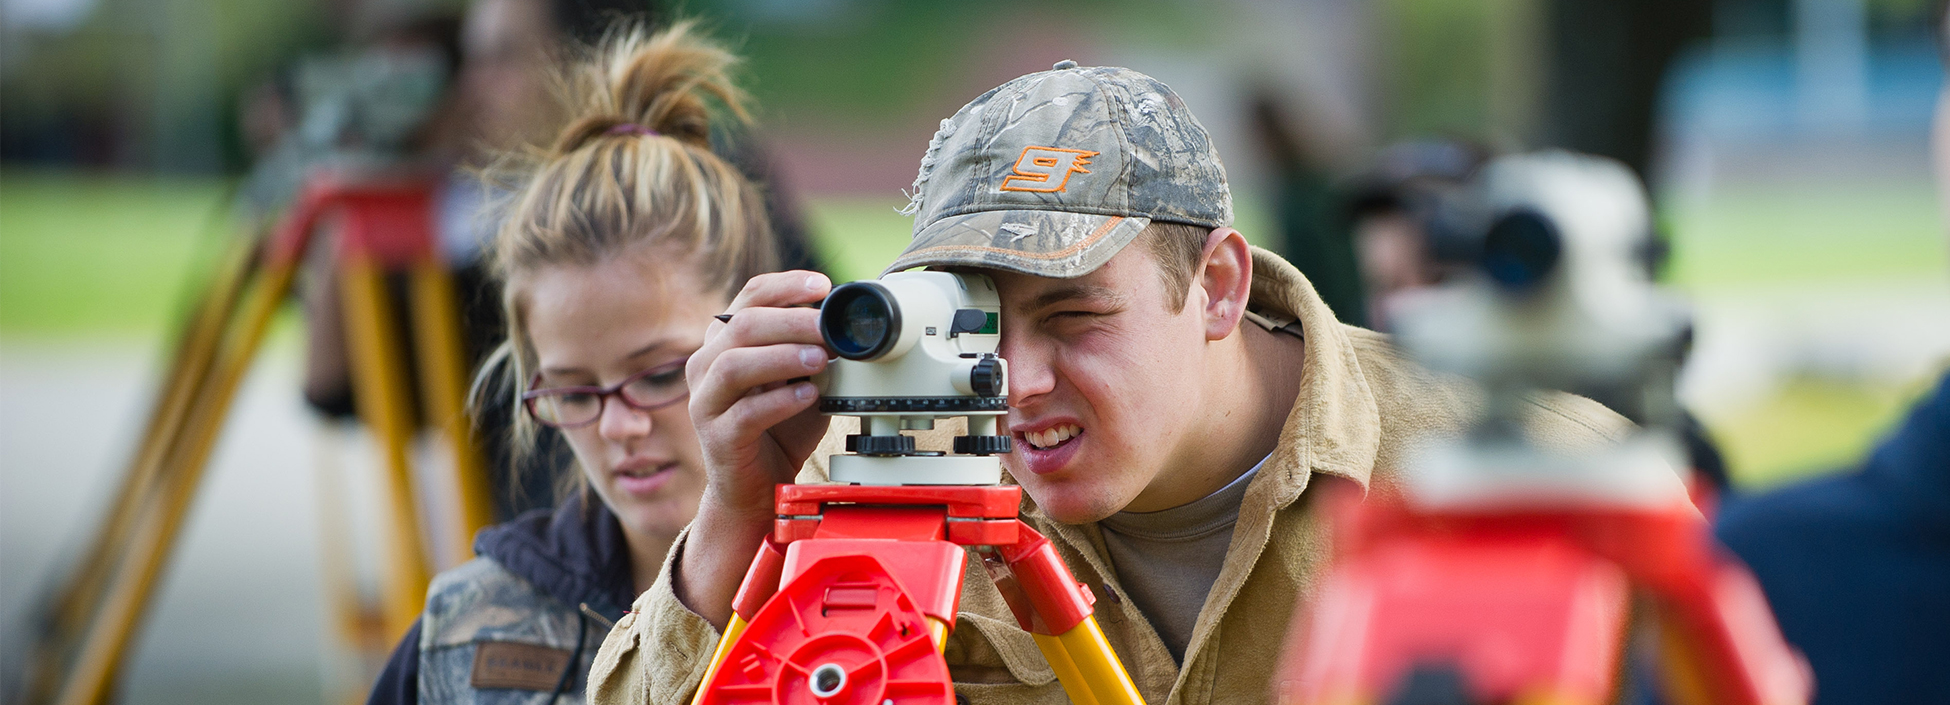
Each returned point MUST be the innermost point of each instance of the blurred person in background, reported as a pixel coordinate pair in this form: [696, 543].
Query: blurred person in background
[1313, 234]
[495, 98]
[385, 107]
[622, 242]
[1390, 210]
[1857, 566]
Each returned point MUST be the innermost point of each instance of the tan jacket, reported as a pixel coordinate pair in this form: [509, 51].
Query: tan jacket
[1360, 405]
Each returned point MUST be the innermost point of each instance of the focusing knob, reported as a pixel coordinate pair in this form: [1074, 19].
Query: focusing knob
[880, 445]
[986, 377]
[983, 445]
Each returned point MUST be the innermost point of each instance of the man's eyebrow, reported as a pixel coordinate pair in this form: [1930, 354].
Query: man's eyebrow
[1074, 292]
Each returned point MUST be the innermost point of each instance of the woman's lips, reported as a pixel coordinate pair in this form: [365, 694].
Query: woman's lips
[644, 479]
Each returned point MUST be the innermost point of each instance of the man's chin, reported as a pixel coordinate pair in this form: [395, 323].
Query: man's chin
[1072, 505]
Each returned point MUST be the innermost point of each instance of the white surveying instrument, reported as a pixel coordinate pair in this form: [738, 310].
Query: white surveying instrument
[916, 347]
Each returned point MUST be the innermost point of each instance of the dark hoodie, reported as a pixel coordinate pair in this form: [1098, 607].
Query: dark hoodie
[545, 564]
[1857, 566]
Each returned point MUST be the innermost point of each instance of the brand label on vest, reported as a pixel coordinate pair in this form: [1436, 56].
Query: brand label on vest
[507, 664]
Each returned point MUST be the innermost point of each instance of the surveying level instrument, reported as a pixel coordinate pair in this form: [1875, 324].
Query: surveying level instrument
[852, 596]
[1514, 573]
[383, 224]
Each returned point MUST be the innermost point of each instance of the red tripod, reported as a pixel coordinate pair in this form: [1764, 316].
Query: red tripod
[1534, 606]
[853, 595]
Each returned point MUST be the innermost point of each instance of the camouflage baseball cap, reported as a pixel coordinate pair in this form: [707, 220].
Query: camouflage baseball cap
[1054, 172]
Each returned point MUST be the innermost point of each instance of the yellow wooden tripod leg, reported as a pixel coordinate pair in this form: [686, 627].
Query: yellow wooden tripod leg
[189, 366]
[1059, 660]
[1087, 667]
[380, 392]
[106, 642]
[731, 631]
[443, 380]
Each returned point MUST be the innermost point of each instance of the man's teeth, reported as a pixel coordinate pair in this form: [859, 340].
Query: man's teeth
[1053, 435]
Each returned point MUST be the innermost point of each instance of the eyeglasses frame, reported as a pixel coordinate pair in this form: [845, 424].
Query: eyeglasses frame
[603, 394]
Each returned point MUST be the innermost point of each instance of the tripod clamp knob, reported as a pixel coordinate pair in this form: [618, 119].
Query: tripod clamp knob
[983, 445]
[880, 445]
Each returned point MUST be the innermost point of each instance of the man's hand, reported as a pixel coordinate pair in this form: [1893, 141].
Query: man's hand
[756, 425]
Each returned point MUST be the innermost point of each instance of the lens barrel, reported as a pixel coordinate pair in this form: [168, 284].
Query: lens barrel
[1521, 250]
[860, 320]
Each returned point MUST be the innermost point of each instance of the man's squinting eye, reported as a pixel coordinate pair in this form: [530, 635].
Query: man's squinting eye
[1075, 316]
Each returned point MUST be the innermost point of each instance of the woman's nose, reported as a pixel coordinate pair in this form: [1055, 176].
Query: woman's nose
[619, 422]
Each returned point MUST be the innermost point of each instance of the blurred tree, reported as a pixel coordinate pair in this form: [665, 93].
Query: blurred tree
[1605, 62]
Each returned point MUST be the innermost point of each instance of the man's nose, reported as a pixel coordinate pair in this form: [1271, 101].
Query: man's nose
[1029, 371]
[619, 422]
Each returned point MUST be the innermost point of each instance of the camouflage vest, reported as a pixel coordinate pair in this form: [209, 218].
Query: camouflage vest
[490, 637]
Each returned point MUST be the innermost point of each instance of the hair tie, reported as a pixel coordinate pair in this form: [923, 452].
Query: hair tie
[629, 128]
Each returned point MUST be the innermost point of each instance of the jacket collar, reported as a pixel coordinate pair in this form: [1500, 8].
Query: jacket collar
[1335, 425]
[575, 553]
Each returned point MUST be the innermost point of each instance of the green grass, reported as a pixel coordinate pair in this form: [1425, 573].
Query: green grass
[1809, 427]
[1747, 236]
[857, 237]
[83, 254]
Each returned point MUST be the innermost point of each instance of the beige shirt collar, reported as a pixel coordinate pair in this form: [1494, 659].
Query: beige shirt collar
[1334, 427]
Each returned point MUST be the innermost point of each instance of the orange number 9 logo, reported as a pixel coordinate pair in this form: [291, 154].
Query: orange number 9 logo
[1047, 169]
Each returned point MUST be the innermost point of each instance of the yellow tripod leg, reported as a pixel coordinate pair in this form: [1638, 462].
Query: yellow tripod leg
[106, 642]
[731, 631]
[1087, 667]
[380, 392]
[1059, 660]
[186, 377]
[443, 379]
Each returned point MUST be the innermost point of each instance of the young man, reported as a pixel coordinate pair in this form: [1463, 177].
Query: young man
[1177, 397]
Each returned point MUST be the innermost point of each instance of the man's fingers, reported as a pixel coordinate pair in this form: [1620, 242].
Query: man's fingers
[755, 327]
[781, 289]
[737, 372]
[755, 414]
[751, 328]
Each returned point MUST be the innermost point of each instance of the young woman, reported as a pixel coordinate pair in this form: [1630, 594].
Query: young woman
[627, 235]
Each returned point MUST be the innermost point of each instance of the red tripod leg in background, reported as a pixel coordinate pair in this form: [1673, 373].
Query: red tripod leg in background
[1721, 644]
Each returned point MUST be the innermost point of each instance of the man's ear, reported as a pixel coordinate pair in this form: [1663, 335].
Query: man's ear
[1226, 273]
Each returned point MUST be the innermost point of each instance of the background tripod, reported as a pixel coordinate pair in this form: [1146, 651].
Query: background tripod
[384, 224]
[1512, 572]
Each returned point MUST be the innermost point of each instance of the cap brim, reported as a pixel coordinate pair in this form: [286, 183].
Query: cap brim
[1054, 244]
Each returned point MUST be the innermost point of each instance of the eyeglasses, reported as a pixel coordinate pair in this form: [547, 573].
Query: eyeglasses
[571, 407]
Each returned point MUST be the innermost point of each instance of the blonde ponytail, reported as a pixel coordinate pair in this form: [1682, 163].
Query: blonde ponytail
[632, 172]
[658, 82]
